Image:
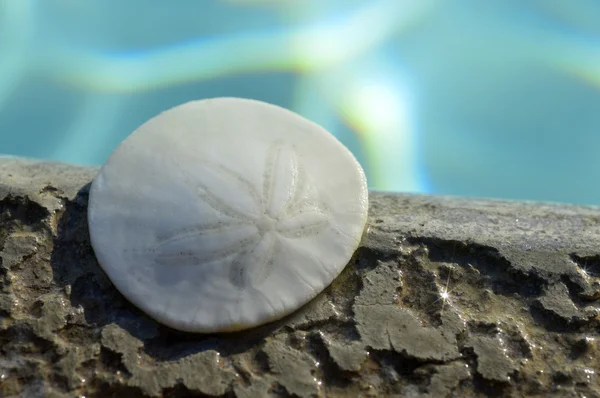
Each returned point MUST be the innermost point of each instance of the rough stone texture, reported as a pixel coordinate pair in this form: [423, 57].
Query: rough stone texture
[446, 297]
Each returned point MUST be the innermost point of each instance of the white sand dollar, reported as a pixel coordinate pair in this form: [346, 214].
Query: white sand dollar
[226, 213]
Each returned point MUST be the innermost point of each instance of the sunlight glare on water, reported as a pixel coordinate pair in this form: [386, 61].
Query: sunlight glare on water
[495, 99]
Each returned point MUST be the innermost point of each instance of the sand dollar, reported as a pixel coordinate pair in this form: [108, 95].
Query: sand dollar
[226, 213]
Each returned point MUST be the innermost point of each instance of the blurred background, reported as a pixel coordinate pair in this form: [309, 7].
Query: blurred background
[464, 97]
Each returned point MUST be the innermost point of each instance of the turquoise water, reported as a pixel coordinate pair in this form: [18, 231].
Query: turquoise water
[463, 97]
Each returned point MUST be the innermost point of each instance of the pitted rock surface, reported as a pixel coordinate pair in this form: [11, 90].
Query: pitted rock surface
[445, 297]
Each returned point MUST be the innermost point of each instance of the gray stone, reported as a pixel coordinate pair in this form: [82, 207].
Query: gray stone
[388, 327]
[445, 297]
[493, 363]
[555, 299]
[348, 356]
[446, 378]
[294, 369]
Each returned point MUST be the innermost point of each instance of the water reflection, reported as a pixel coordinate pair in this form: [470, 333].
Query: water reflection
[489, 99]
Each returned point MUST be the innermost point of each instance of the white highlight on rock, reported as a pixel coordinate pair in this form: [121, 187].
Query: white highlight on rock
[226, 213]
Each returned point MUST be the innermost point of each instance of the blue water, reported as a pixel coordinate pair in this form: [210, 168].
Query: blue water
[463, 97]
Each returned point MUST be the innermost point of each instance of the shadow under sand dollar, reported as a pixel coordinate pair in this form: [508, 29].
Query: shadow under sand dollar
[76, 269]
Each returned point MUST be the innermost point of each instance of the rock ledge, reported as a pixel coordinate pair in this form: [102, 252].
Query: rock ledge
[446, 296]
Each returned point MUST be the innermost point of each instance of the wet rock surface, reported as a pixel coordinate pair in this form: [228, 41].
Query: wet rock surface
[445, 297]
